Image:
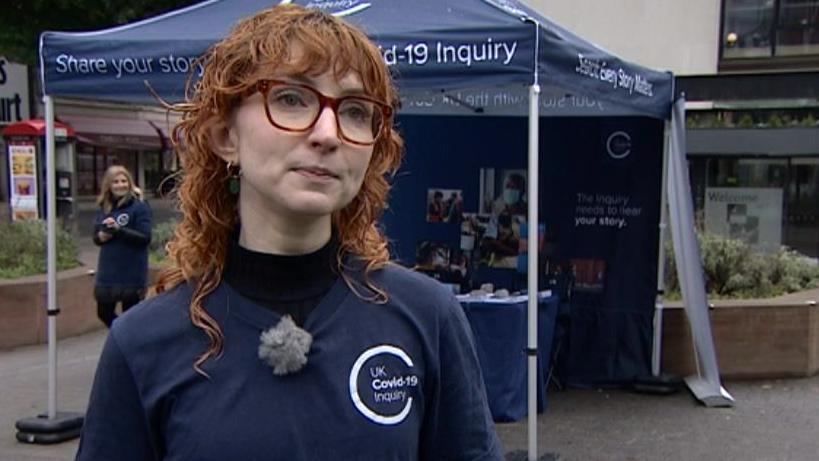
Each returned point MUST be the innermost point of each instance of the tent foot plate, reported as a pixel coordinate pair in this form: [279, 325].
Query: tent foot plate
[708, 394]
[44, 430]
[523, 455]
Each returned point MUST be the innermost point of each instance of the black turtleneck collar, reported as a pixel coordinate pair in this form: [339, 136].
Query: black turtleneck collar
[290, 285]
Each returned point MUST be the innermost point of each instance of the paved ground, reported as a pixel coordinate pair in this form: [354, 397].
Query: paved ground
[772, 420]
[24, 384]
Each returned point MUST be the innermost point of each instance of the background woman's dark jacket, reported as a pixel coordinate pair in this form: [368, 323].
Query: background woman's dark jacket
[123, 260]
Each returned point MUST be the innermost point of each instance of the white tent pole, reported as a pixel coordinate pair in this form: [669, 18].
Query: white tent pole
[54, 426]
[532, 227]
[533, 193]
[657, 347]
[51, 220]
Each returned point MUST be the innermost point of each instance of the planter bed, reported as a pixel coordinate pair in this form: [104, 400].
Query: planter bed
[759, 338]
[23, 319]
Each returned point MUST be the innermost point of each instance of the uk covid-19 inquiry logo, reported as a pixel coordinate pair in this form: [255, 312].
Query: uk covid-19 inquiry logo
[618, 145]
[383, 384]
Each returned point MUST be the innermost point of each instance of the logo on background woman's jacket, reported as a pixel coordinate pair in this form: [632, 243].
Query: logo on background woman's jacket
[123, 219]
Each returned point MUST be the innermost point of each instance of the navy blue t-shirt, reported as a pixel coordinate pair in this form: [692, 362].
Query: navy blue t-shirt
[393, 381]
[123, 260]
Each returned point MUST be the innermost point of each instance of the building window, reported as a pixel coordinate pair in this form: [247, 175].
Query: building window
[802, 227]
[86, 182]
[747, 28]
[797, 30]
[92, 161]
[769, 28]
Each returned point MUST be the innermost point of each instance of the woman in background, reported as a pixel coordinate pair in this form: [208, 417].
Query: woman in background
[122, 229]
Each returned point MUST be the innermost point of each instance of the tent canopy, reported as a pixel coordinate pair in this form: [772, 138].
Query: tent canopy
[491, 49]
[478, 55]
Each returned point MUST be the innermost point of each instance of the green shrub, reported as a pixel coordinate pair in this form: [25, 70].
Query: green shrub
[746, 121]
[23, 249]
[160, 236]
[691, 122]
[732, 269]
[775, 121]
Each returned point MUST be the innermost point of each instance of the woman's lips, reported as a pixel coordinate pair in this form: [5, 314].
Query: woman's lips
[316, 173]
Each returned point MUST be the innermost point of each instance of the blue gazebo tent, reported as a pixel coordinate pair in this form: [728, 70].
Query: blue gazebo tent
[441, 51]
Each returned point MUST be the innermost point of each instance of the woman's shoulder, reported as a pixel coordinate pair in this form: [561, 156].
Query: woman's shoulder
[158, 341]
[158, 318]
[141, 202]
[419, 297]
[404, 283]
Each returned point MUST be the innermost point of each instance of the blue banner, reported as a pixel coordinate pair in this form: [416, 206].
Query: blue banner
[599, 206]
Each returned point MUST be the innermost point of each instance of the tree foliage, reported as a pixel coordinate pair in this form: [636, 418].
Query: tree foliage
[22, 21]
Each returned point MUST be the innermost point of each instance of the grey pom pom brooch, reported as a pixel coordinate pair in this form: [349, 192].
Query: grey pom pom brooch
[285, 347]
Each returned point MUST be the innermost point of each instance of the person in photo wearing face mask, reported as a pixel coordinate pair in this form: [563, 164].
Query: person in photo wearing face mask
[512, 200]
[122, 229]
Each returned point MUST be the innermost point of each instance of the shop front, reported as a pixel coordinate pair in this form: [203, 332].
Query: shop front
[758, 185]
[139, 145]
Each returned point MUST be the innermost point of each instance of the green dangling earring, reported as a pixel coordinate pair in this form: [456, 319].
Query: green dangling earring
[234, 173]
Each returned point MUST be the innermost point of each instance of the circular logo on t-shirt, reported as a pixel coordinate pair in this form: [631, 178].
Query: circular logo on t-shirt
[382, 383]
[123, 219]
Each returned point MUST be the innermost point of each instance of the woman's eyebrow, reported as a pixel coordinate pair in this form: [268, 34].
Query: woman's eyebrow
[355, 89]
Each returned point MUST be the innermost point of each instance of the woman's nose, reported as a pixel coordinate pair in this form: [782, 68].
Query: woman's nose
[325, 131]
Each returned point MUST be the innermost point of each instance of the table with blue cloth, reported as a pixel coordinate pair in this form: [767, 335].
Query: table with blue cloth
[500, 331]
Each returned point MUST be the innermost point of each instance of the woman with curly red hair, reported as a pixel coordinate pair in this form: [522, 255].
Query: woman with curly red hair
[282, 330]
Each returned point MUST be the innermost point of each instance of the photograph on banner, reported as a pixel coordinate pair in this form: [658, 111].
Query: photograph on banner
[473, 228]
[493, 240]
[431, 254]
[444, 205]
[588, 274]
[523, 247]
[752, 215]
[502, 250]
[439, 261]
[503, 191]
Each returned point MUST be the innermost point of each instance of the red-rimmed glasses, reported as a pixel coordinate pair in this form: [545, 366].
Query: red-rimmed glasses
[296, 107]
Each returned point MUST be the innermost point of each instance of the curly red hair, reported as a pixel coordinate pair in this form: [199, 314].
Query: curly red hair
[232, 67]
